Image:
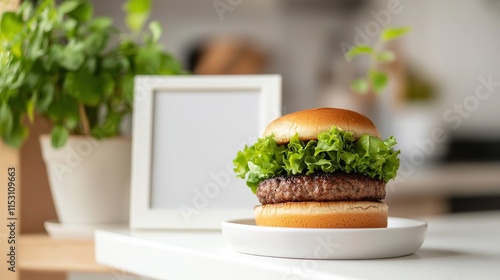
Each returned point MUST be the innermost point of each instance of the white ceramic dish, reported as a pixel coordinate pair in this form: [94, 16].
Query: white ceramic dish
[401, 237]
[57, 230]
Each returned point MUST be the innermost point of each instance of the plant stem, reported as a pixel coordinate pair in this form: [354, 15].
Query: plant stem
[84, 120]
[376, 51]
[377, 48]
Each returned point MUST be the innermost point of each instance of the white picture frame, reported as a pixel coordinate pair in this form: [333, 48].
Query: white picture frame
[170, 112]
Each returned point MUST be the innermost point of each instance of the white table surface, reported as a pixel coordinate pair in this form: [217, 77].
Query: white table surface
[457, 247]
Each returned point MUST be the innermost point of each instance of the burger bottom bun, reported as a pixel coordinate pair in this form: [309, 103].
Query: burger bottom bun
[311, 214]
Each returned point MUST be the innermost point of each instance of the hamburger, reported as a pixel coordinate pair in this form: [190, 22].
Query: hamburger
[320, 168]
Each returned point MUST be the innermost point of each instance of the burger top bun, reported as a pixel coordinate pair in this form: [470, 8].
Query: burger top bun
[309, 123]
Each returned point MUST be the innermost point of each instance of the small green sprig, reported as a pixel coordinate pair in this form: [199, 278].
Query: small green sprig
[375, 79]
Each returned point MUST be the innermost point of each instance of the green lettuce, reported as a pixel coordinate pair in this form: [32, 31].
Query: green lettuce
[335, 150]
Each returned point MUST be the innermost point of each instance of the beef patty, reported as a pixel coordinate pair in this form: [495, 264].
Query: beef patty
[320, 187]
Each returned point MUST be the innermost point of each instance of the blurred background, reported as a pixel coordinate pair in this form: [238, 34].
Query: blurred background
[447, 128]
[442, 102]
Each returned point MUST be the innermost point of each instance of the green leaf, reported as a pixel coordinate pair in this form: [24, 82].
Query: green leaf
[62, 108]
[45, 17]
[109, 127]
[71, 57]
[156, 31]
[83, 12]
[10, 25]
[386, 57]
[137, 12]
[6, 120]
[71, 121]
[360, 86]
[32, 81]
[393, 33]
[51, 61]
[59, 136]
[335, 150]
[13, 75]
[135, 22]
[69, 6]
[170, 66]
[91, 64]
[378, 80]
[137, 6]
[116, 64]
[70, 26]
[89, 88]
[128, 88]
[100, 23]
[358, 50]
[30, 108]
[107, 84]
[95, 43]
[17, 49]
[18, 135]
[25, 9]
[46, 96]
[148, 60]
[85, 87]
[37, 46]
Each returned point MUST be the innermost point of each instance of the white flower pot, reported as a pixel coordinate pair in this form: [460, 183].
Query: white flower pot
[89, 179]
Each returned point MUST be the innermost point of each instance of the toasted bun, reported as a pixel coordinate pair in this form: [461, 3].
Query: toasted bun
[336, 214]
[309, 123]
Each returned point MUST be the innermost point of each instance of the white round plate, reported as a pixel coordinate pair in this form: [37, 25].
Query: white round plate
[401, 237]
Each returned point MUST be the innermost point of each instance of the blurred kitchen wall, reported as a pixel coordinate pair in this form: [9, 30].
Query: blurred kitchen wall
[295, 35]
[452, 42]
[455, 43]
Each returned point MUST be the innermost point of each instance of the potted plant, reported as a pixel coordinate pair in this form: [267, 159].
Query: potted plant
[60, 62]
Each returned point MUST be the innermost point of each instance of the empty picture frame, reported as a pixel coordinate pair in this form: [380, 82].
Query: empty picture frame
[186, 132]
